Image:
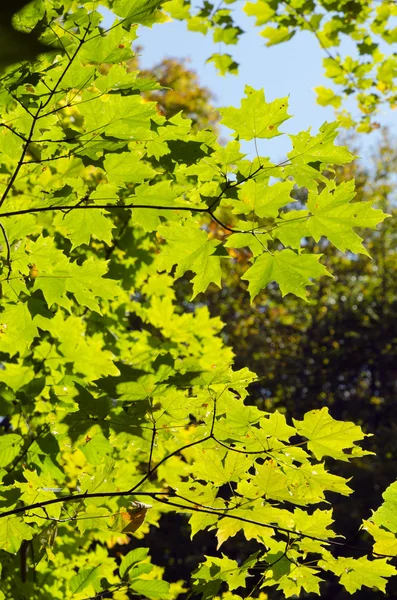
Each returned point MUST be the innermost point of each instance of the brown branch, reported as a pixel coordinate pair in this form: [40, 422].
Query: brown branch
[196, 507]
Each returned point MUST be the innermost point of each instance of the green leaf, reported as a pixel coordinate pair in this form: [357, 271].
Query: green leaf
[17, 46]
[137, 11]
[300, 578]
[19, 227]
[262, 11]
[157, 195]
[277, 35]
[263, 199]
[13, 531]
[17, 329]
[291, 228]
[221, 467]
[151, 588]
[385, 541]
[224, 63]
[16, 376]
[96, 449]
[292, 272]
[355, 573]
[327, 97]
[334, 216]
[39, 489]
[80, 225]
[112, 48]
[256, 118]
[125, 118]
[85, 578]
[328, 437]
[223, 569]
[127, 168]
[132, 558]
[201, 255]
[246, 240]
[319, 148]
[87, 283]
[275, 425]
[10, 446]
[386, 514]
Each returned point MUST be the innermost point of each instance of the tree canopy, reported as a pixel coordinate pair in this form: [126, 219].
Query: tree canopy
[118, 406]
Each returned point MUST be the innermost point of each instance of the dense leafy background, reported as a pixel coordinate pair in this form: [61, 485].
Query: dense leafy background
[124, 408]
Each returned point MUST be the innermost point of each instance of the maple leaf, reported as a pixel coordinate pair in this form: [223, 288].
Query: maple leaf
[264, 199]
[385, 541]
[319, 148]
[256, 118]
[13, 532]
[80, 226]
[328, 437]
[354, 573]
[386, 514]
[291, 271]
[334, 216]
[202, 255]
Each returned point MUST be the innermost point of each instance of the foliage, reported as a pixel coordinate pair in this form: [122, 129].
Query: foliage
[363, 28]
[340, 366]
[337, 351]
[111, 395]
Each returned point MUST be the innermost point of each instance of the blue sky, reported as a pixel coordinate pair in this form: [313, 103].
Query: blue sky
[291, 69]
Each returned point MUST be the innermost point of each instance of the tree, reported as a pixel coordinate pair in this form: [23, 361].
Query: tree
[119, 407]
[318, 355]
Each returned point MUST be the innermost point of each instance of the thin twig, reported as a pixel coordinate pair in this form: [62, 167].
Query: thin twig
[15, 132]
[154, 431]
[163, 460]
[8, 247]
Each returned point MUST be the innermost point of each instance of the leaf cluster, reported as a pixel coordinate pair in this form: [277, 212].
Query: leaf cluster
[110, 394]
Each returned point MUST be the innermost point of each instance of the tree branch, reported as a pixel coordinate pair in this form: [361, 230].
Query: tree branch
[196, 507]
[8, 247]
[21, 158]
[14, 132]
